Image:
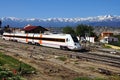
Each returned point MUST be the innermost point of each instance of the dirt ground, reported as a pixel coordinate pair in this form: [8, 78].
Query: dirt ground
[48, 67]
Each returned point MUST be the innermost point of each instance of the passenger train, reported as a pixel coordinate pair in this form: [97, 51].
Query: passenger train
[62, 41]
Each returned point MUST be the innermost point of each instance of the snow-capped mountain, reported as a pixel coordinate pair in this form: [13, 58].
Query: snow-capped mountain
[107, 20]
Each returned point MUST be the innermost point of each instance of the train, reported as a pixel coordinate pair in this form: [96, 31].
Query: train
[62, 41]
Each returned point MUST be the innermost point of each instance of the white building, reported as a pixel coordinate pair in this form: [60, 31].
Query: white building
[91, 39]
[109, 39]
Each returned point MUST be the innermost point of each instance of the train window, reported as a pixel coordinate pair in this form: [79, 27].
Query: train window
[67, 40]
[52, 39]
[38, 38]
[74, 38]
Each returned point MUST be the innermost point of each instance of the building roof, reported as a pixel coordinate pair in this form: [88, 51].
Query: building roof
[107, 32]
[30, 28]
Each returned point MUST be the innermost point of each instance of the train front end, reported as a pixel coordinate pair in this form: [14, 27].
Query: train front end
[73, 43]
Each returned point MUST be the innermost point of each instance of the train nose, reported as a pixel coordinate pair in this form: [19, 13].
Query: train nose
[77, 46]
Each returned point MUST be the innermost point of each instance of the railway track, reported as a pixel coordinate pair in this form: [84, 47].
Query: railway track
[111, 51]
[92, 57]
[109, 60]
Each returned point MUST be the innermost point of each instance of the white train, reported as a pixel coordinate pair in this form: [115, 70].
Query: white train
[62, 41]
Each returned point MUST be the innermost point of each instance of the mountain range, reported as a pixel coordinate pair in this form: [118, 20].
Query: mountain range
[106, 20]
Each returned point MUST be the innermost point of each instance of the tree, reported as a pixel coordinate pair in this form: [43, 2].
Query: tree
[84, 30]
[68, 30]
[7, 29]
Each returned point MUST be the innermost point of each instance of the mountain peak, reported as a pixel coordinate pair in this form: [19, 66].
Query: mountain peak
[109, 16]
[9, 18]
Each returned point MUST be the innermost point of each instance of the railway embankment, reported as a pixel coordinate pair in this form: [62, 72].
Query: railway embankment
[56, 64]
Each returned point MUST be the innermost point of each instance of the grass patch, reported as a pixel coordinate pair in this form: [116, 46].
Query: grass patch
[87, 78]
[12, 63]
[114, 77]
[8, 64]
[62, 58]
[76, 62]
[7, 60]
[92, 68]
[82, 78]
[106, 46]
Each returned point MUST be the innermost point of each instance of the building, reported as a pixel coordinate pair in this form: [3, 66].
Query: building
[106, 34]
[34, 29]
[84, 39]
[109, 40]
[91, 39]
[107, 37]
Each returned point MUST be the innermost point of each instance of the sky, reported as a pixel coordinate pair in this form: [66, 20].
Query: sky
[58, 8]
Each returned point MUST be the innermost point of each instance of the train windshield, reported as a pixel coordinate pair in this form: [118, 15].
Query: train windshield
[74, 38]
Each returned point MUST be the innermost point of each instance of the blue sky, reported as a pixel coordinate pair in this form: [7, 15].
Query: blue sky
[58, 8]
